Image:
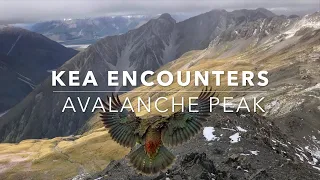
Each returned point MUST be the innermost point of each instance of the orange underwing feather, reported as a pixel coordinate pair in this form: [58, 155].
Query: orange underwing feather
[153, 142]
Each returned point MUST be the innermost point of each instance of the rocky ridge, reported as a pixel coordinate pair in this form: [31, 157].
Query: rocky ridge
[232, 146]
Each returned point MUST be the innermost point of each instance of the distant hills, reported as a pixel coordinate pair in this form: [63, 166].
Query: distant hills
[25, 61]
[87, 31]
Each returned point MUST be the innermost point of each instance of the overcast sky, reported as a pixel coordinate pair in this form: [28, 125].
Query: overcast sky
[23, 11]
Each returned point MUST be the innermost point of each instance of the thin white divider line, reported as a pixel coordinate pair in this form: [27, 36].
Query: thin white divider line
[151, 91]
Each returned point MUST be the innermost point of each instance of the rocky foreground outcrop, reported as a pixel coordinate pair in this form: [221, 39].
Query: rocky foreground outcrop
[232, 146]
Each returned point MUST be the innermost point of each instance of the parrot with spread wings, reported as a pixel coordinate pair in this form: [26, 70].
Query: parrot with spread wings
[154, 134]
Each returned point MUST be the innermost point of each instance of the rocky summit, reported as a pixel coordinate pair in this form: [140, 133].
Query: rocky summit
[232, 146]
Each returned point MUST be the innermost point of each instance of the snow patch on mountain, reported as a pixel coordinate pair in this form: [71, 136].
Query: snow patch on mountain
[305, 22]
[254, 152]
[28, 83]
[235, 138]
[3, 113]
[241, 129]
[14, 44]
[208, 134]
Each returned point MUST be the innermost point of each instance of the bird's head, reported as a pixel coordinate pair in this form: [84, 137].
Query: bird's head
[157, 121]
[131, 115]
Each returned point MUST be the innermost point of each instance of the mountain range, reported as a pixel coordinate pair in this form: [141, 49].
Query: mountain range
[89, 30]
[148, 47]
[287, 47]
[25, 61]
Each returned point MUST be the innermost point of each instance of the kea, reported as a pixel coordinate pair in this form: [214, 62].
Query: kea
[153, 135]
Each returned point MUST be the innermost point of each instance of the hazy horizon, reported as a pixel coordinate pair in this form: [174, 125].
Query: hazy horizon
[32, 11]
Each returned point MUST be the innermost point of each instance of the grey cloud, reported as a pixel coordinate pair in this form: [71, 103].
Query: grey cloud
[19, 11]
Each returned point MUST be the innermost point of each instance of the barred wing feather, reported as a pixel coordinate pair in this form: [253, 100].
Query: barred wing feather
[182, 126]
[122, 125]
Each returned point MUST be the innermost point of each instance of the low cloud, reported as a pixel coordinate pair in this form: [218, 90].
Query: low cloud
[22, 11]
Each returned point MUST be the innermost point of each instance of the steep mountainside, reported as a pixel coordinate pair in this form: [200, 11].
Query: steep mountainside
[25, 59]
[147, 48]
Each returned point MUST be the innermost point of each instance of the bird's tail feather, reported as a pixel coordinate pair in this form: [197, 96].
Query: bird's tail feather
[151, 165]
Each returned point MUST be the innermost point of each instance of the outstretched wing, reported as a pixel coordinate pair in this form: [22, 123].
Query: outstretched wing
[121, 125]
[184, 125]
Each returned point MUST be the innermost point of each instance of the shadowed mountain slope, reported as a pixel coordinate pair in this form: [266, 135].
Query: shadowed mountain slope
[25, 59]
